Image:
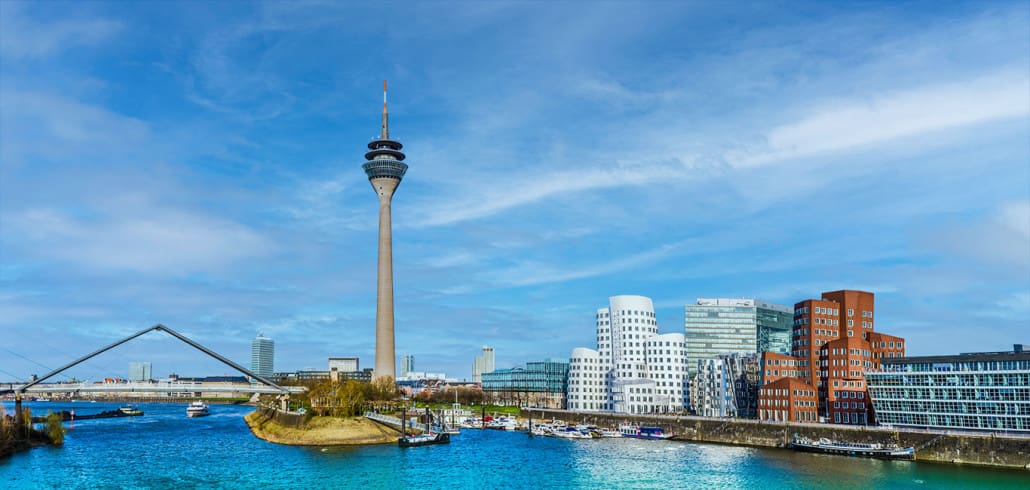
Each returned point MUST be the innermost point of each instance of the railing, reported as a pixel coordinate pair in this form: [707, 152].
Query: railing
[394, 421]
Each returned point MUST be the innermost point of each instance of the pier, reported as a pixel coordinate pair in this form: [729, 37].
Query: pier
[982, 449]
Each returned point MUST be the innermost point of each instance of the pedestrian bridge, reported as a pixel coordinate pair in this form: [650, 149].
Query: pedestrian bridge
[186, 389]
[191, 388]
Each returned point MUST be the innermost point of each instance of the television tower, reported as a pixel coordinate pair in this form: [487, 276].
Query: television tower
[385, 169]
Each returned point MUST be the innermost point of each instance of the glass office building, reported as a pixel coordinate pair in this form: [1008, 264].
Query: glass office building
[981, 391]
[541, 384]
[726, 325]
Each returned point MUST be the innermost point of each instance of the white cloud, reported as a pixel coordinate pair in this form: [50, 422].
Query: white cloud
[527, 274]
[24, 38]
[510, 192]
[886, 117]
[150, 239]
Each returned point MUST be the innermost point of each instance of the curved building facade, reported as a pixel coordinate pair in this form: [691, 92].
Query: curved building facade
[634, 369]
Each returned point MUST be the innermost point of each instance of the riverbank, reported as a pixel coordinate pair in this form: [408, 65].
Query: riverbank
[966, 449]
[318, 431]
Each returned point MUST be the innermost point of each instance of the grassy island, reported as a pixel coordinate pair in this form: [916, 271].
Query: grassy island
[319, 431]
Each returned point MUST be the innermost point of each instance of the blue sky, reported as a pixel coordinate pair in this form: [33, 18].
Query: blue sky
[199, 166]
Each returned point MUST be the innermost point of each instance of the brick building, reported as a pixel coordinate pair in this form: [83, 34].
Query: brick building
[833, 343]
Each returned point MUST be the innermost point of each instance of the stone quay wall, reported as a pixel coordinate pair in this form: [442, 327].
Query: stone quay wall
[958, 448]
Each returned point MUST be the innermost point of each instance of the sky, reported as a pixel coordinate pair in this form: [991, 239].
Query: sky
[198, 165]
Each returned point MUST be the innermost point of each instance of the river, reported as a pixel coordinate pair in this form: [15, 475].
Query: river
[164, 449]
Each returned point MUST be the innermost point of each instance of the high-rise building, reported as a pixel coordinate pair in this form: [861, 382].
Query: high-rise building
[832, 344]
[482, 364]
[140, 371]
[407, 365]
[262, 356]
[634, 369]
[724, 325]
[976, 391]
[385, 169]
[726, 386]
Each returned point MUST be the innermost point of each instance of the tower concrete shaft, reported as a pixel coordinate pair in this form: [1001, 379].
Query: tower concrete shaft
[385, 363]
[385, 169]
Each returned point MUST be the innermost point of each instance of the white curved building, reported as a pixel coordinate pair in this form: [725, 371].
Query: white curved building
[634, 369]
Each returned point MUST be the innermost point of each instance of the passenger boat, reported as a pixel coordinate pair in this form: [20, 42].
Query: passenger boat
[197, 409]
[640, 432]
[827, 446]
[426, 439]
[130, 411]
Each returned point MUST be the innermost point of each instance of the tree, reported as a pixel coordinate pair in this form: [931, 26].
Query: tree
[54, 427]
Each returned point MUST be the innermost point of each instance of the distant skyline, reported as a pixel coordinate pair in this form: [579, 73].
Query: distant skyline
[199, 165]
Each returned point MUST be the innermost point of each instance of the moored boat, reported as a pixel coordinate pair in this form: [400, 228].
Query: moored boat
[197, 409]
[130, 411]
[826, 446]
[641, 432]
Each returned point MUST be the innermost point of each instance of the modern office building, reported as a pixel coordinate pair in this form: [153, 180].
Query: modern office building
[482, 364]
[987, 391]
[724, 325]
[262, 356]
[385, 169]
[634, 369]
[539, 384]
[832, 344]
[726, 386]
[344, 364]
[407, 365]
[140, 371]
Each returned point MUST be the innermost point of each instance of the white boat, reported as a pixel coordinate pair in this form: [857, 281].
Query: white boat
[641, 432]
[197, 409]
[572, 433]
[610, 432]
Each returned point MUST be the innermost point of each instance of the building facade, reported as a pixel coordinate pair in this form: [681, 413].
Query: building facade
[716, 326]
[407, 365]
[726, 386]
[483, 363]
[987, 391]
[140, 371]
[262, 356]
[344, 364]
[539, 384]
[634, 369]
[833, 343]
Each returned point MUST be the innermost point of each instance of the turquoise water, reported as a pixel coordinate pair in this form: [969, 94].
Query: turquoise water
[164, 449]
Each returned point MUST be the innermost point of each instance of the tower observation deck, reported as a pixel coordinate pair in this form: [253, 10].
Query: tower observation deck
[385, 168]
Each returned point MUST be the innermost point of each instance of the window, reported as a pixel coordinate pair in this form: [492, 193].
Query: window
[851, 312]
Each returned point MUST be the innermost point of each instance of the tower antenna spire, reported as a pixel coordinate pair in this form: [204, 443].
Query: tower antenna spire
[386, 116]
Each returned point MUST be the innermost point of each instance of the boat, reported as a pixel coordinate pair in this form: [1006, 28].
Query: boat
[572, 433]
[826, 446]
[426, 439]
[641, 432]
[197, 409]
[130, 411]
[610, 432]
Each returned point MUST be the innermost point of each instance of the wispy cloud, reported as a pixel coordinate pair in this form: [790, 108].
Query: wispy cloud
[882, 118]
[25, 37]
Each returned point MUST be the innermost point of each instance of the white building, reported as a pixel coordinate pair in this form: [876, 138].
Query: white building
[634, 369]
[262, 355]
[344, 364]
[483, 364]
